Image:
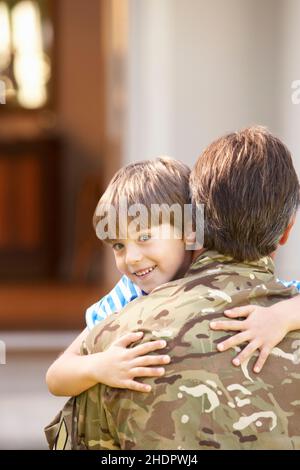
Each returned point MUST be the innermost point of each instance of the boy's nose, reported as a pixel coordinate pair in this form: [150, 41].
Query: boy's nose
[133, 255]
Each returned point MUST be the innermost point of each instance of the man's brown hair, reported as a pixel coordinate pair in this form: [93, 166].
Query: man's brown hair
[250, 191]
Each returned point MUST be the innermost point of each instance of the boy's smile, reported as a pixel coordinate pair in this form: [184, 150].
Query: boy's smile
[144, 272]
[150, 259]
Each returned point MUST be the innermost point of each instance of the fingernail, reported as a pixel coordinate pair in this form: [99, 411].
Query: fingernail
[256, 369]
[139, 333]
[167, 359]
[220, 347]
[236, 362]
[161, 371]
[212, 324]
[163, 344]
[147, 388]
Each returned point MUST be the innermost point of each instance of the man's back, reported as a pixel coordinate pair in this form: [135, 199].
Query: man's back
[202, 402]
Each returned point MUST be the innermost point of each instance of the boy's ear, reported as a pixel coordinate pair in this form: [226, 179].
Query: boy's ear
[287, 232]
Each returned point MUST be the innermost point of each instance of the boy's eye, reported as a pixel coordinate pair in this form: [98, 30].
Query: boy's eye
[145, 237]
[118, 246]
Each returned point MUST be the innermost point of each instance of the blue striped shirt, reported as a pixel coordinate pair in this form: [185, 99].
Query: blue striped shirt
[291, 284]
[123, 293]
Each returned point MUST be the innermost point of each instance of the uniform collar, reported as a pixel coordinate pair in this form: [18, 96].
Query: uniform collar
[209, 257]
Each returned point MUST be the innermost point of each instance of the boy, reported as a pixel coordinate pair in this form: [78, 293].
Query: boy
[146, 260]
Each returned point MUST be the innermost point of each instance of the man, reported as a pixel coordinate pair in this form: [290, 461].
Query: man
[250, 190]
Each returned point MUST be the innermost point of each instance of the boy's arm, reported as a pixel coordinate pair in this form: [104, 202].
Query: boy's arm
[117, 366]
[72, 374]
[69, 374]
[263, 328]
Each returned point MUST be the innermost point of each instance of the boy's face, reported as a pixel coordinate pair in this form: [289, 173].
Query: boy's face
[152, 257]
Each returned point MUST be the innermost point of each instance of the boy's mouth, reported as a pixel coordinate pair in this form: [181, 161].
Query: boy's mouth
[144, 272]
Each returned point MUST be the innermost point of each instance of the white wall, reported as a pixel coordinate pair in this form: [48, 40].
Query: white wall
[289, 119]
[223, 70]
[150, 78]
[200, 68]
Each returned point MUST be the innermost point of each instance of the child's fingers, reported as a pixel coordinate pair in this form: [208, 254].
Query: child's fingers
[137, 386]
[239, 311]
[143, 361]
[147, 371]
[233, 325]
[143, 349]
[233, 341]
[129, 338]
[264, 353]
[246, 353]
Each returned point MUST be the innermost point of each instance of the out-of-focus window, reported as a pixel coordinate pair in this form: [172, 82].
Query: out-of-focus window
[26, 40]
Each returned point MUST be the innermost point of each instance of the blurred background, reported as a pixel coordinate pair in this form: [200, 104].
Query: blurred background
[89, 86]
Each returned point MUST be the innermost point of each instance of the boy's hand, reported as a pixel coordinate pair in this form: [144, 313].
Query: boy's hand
[119, 365]
[263, 329]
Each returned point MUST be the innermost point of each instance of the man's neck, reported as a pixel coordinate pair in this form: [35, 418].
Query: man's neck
[197, 253]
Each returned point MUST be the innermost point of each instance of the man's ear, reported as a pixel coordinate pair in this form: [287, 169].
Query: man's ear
[287, 231]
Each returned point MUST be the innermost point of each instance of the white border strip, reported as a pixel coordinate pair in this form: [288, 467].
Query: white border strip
[37, 340]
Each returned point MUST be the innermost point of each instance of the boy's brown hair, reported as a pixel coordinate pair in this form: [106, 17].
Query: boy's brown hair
[163, 180]
[250, 191]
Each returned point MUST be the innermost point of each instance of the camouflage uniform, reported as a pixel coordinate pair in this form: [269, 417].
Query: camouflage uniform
[203, 401]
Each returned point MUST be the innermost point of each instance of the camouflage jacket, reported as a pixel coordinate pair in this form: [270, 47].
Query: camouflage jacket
[203, 401]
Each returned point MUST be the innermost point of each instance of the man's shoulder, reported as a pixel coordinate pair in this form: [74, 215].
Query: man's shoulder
[215, 279]
[212, 284]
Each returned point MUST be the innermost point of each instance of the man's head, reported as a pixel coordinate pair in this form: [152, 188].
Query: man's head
[250, 190]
